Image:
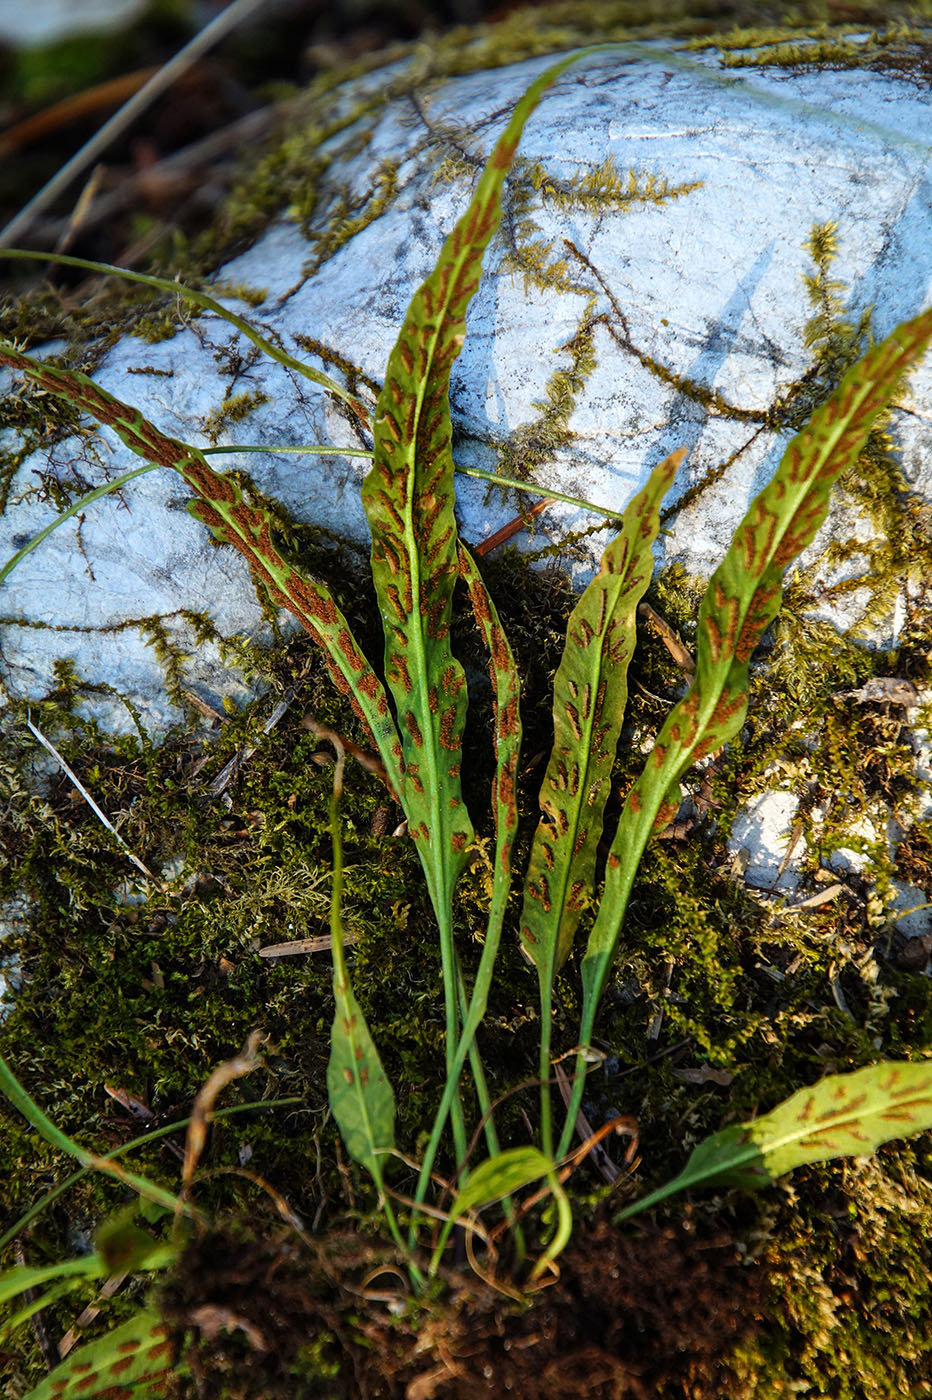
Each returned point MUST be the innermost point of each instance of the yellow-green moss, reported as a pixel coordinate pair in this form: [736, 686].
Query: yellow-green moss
[233, 409]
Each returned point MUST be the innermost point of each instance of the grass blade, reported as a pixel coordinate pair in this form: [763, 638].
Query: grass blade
[206, 303]
[121, 1365]
[315, 450]
[531, 488]
[165, 1131]
[20, 1099]
[38, 1303]
[742, 598]
[156, 1257]
[844, 1115]
[22, 1276]
[74, 509]
[221, 505]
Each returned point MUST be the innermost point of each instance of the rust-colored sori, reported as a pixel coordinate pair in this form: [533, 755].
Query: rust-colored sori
[219, 503]
[590, 694]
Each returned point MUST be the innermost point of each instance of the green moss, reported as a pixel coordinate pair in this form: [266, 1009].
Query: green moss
[331, 358]
[348, 217]
[848, 1258]
[291, 174]
[605, 187]
[233, 409]
[155, 328]
[823, 47]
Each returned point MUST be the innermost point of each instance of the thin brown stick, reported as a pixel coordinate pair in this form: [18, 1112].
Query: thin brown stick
[680, 653]
[50, 1353]
[514, 527]
[215, 1083]
[600, 1157]
[230, 769]
[178, 169]
[222, 23]
[73, 1335]
[79, 212]
[70, 109]
[322, 944]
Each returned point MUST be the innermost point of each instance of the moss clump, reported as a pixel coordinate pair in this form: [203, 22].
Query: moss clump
[847, 1257]
[234, 409]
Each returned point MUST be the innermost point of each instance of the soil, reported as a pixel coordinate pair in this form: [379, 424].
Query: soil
[632, 1314]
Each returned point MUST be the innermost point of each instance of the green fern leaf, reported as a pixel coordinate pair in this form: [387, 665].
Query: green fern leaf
[742, 599]
[589, 698]
[122, 1365]
[360, 1096]
[844, 1115]
[409, 498]
[221, 505]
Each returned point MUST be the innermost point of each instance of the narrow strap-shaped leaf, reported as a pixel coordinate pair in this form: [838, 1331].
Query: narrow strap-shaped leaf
[742, 598]
[123, 1364]
[506, 731]
[360, 1095]
[507, 740]
[844, 1115]
[494, 1179]
[221, 506]
[408, 497]
[589, 698]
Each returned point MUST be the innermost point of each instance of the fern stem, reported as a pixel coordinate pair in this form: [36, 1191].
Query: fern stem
[592, 993]
[472, 1011]
[546, 1019]
[338, 953]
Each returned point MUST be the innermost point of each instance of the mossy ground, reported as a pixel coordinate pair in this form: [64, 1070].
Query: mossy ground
[723, 1002]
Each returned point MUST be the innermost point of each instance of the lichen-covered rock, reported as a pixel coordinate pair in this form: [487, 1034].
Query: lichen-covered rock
[648, 290]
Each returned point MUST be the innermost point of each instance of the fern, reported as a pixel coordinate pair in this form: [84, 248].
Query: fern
[417, 719]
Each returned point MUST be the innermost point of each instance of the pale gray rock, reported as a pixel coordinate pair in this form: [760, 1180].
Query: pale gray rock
[709, 285]
[51, 21]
